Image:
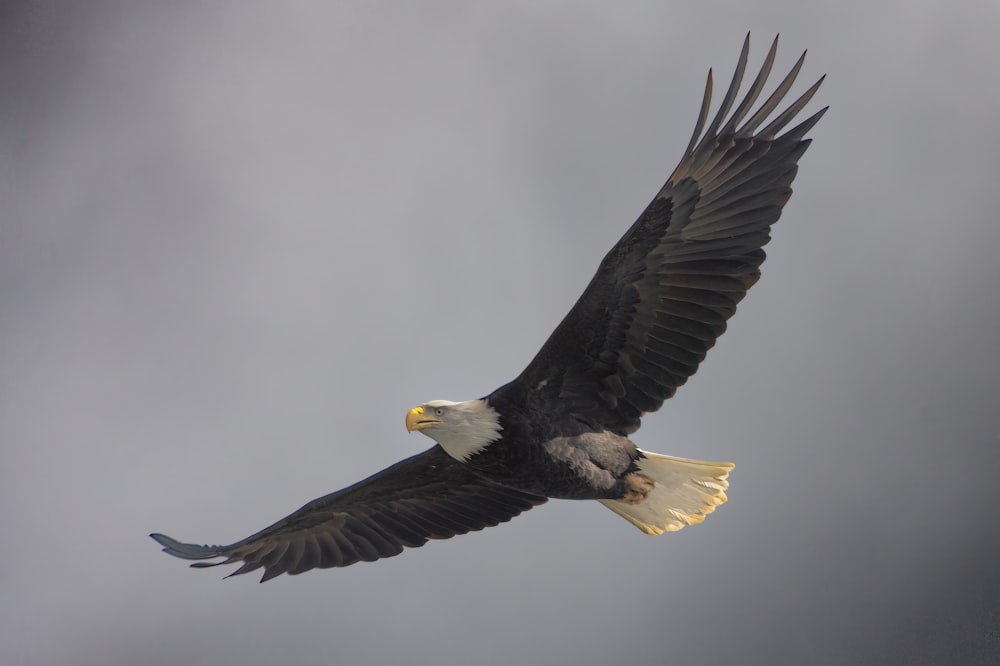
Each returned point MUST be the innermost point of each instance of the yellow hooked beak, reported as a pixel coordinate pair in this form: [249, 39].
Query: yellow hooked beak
[416, 420]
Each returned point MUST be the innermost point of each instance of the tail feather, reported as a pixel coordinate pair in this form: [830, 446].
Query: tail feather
[670, 493]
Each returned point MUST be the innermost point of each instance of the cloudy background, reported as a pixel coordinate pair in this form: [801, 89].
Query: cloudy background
[239, 241]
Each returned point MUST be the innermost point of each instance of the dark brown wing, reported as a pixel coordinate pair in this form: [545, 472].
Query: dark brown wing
[662, 295]
[428, 496]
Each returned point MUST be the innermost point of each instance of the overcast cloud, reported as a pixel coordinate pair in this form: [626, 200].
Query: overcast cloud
[240, 240]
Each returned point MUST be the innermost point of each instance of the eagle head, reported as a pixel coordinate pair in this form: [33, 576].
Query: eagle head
[463, 429]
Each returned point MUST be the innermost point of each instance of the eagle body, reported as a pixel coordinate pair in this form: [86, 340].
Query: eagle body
[563, 427]
[537, 456]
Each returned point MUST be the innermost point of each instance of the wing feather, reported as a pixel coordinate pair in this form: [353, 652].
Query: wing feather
[663, 294]
[427, 496]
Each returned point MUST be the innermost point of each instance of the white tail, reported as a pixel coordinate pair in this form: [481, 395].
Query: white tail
[669, 493]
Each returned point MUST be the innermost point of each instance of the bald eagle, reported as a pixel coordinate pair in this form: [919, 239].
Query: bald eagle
[660, 299]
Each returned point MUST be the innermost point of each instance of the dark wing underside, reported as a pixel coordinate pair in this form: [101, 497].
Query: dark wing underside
[662, 295]
[427, 496]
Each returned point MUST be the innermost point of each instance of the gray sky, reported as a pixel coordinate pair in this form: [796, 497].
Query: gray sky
[240, 241]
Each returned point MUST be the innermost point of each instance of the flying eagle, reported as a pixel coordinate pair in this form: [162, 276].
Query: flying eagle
[659, 301]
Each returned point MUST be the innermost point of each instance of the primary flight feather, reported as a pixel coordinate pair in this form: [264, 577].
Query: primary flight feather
[658, 302]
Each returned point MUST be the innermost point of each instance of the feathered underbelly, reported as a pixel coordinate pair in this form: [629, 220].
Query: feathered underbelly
[586, 466]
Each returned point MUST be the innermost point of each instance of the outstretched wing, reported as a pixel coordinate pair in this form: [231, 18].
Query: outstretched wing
[427, 496]
[662, 295]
